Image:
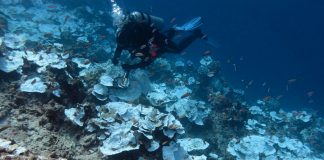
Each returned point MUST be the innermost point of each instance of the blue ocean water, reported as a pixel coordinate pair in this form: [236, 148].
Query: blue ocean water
[269, 42]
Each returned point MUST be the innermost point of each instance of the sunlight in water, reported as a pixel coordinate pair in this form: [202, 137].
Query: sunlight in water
[117, 13]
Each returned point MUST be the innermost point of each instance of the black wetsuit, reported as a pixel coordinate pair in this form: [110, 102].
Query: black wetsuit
[145, 41]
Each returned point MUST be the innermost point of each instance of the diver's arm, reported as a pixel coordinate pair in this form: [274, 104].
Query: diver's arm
[117, 55]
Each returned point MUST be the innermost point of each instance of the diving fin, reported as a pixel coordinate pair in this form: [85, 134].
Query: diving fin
[191, 25]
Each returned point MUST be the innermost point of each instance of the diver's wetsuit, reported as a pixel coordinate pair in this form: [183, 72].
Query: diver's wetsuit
[145, 41]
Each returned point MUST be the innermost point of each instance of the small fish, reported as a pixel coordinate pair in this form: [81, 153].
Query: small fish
[228, 61]
[292, 81]
[250, 83]
[52, 6]
[165, 142]
[311, 101]
[87, 61]
[279, 97]
[235, 69]
[163, 65]
[181, 116]
[310, 94]
[186, 95]
[66, 52]
[154, 30]
[151, 40]
[211, 74]
[102, 37]
[139, 54]
[241, 58]
[173, 20]
[183, 53]
[269, 90]
[146, 59]
[143, 46]
[166, 41]
[266, 98]
[48, 35]
[3, 26]
[264, 84]
[34, 81]
[154, 46]
[67, 17]
[4, 127]
[206, 53]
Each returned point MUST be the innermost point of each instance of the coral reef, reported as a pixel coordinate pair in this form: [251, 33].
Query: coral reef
[60, 98]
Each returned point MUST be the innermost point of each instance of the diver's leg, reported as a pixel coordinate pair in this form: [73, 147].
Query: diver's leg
[185, 41]
[170, 33]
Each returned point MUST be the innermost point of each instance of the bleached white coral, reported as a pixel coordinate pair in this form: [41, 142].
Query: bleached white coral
[81, 62]
[256, 110]
[7, 146]
[100, 92]
[106, 80]
[303, 116]
[191, 81]
[171, 126]
[50, 29]
[179, 63]
[255, 125]
[195, 111]
[251, 147]
[139, 83]
[291, 146]
[121, 139]
[15, 41]
[174, 152]
[75, 115]
[153, 146]
[34, 84]
[201, 157]
[179, 91]
[12, 61]
[44, 59]
[207, 60]
[141, 119]
[193, 144]
[83, 39]
[158, 95]
[275, 117]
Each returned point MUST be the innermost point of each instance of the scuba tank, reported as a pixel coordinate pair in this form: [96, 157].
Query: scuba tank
[141, 17]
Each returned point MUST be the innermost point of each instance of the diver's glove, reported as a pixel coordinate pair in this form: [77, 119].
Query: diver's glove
[191, 25]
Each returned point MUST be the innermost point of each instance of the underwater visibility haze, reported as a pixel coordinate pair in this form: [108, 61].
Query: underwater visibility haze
[161, 80]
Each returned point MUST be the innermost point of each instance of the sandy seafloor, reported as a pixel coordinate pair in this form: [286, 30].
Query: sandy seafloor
[59, 99]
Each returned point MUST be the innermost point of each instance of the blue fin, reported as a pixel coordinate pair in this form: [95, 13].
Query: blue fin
[191, 25]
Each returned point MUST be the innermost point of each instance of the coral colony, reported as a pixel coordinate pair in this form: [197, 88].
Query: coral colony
[64, 96]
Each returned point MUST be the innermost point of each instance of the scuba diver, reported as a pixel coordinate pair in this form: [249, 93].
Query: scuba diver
[143, 36]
